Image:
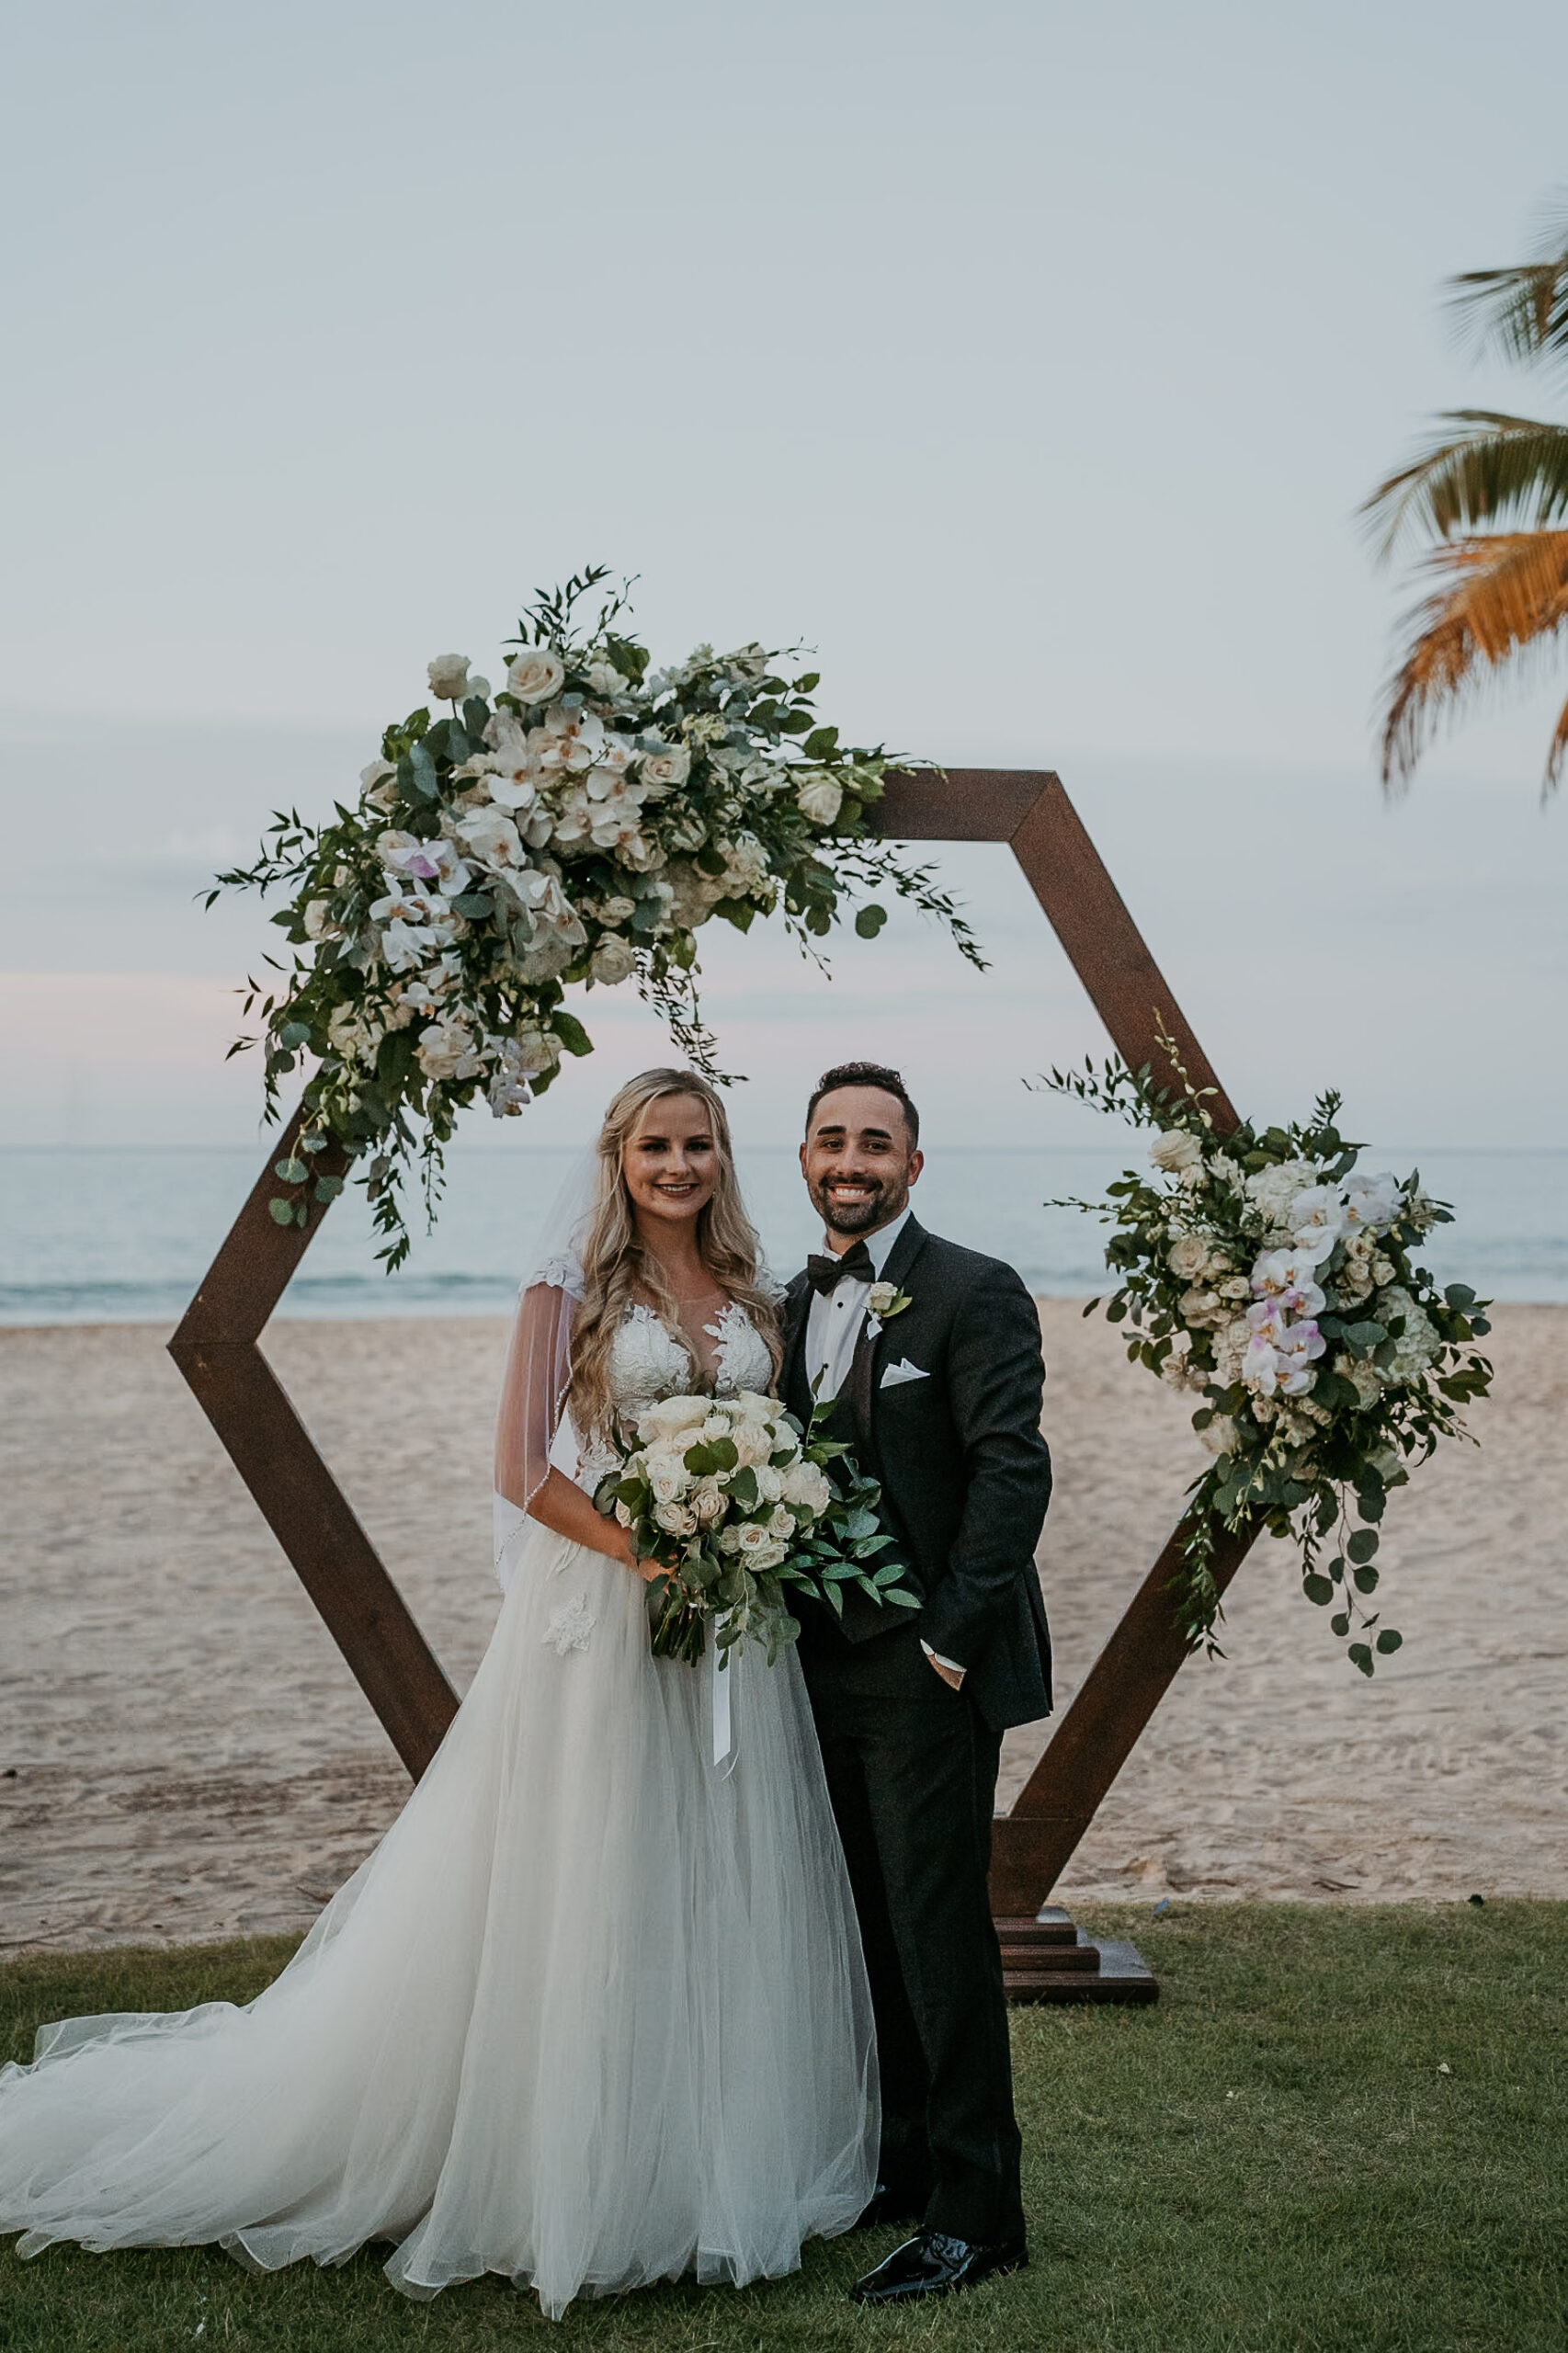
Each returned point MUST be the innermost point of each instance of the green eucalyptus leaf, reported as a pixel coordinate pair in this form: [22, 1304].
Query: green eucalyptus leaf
[282, 1212]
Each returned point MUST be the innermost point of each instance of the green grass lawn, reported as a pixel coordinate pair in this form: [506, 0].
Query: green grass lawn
[1272, 2156]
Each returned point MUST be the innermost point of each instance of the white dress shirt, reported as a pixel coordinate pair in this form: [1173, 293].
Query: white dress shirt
[833, 1327]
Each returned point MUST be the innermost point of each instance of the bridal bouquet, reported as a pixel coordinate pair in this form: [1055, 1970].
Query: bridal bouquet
[735, 1506]
[575, 828]
[1263, 1273]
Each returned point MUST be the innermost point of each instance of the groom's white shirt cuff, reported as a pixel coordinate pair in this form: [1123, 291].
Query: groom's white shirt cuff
[938, 1660]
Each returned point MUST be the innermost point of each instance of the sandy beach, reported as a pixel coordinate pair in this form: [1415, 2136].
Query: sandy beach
[183, 1754]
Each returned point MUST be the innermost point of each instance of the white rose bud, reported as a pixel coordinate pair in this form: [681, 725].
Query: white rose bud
[449, 676]
[820, 800]
[535, 675]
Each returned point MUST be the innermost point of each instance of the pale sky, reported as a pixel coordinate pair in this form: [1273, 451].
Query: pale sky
[1028, 360]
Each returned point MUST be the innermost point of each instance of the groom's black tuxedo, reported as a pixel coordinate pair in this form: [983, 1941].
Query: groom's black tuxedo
[911, 1763]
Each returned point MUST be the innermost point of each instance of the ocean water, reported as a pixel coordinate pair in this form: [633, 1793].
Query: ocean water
[113, 1237]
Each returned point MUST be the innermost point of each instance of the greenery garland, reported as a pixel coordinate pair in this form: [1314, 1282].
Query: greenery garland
[576, 830]
[1260, 1271]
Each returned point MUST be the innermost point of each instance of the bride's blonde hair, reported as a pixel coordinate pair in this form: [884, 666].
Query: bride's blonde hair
[617, 1270]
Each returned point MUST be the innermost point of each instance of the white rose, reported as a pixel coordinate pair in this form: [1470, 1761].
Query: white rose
[1176, 1150]
[880, 1297]
[782, 1523]
[667, 1479]
[769, 1483]
[805, 1484]
[672, 1415]
[707, 1501]
[605, 679]
[1188, 1256]
[613, 960]
[677, 1518]
[449, 676]
[753, 1443]
[1199, 1308]
[820, 800]
[535, 675]
[1219, 1436]
[319, 924]
[669, 765]
[751, 1539]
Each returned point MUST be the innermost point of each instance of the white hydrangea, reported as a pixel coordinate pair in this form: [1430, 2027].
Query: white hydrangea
[1272, 1190]
[1418, 1345]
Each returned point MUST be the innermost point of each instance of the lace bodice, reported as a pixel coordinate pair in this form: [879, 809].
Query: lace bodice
[648, 1361]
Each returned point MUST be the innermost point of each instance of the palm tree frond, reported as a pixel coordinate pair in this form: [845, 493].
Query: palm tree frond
[1499, 470]
[1521, 311]
[1501, 598]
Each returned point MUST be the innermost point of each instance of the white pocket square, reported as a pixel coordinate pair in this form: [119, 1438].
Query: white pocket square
[903, 1371]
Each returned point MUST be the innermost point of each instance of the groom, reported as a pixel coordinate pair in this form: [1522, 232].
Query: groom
[932, 1354]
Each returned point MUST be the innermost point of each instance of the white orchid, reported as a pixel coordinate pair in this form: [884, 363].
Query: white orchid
[1316, 1219]
[446, 1050]
[424, 861]
[1288, 1276]
[1372, 1203]
[489, 835]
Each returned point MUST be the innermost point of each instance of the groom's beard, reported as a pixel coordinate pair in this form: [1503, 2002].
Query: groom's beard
[880, 1204]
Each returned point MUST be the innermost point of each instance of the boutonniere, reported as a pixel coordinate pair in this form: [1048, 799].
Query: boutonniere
[882, 1302]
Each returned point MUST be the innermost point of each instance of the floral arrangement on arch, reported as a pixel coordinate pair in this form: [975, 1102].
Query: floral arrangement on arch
[1265, 1274]
[574, 829]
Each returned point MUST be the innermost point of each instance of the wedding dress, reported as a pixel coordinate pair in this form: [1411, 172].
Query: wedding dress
[593, 2013]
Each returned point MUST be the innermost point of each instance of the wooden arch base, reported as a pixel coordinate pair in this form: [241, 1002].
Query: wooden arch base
[216, 1349]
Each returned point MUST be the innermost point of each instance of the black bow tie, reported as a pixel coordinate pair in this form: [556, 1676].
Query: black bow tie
[826, 1272]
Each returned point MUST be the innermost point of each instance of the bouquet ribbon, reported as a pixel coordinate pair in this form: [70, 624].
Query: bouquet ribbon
[723, 1723]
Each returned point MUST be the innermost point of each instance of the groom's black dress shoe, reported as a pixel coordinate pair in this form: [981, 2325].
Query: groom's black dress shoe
[889, 2204]
[931, 2264]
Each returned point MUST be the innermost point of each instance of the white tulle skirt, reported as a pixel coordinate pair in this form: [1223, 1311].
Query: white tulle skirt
[593, 2013]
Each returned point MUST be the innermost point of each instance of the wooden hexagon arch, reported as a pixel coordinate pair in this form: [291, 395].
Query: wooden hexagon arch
[216, 1349]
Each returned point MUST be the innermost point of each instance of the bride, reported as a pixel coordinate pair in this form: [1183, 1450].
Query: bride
[594, 2012]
